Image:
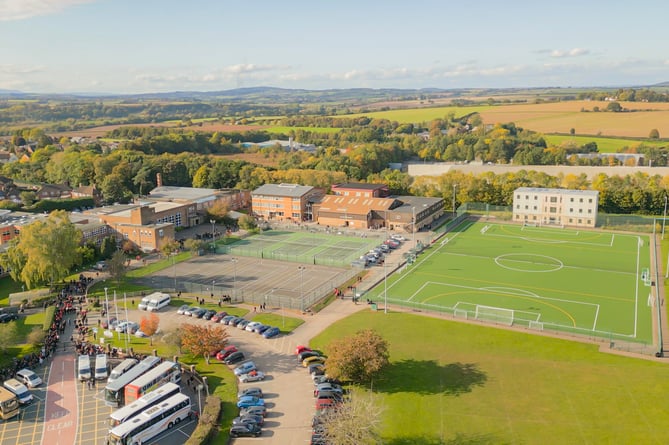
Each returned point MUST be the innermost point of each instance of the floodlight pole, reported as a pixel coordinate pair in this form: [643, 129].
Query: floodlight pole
[213, 234]
[234, 278]
[301, 269]
[455, 186]
[385, 272]
[413, 226]
[664, 219]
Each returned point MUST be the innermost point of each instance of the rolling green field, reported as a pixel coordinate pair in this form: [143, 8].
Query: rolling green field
[604, 145]
[417, 115]
[582, 282]
[281, 129]
[458, 383]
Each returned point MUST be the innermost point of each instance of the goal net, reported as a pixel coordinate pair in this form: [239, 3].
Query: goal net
[460, 313]
[494, 314]
[536, 325]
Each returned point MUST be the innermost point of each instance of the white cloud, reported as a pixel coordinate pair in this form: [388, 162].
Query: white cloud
[25, 9]
[10, 69]
[574, 52]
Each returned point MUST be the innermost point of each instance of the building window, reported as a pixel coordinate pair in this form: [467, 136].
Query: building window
[535, 207]
[571, 210]
[571, 199]
[517, 196]
[580, 210]
[518, 206]
[589, 210]
[161, 233]
[553, 209]
[589, 221]
[580, 200]
[536, 197]
[590, 200]
[527, 197]
[534, 217]
[553, 199]
[571, 220]
[527, 207]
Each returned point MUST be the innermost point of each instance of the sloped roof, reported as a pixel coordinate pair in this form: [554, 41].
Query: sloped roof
[354, 204]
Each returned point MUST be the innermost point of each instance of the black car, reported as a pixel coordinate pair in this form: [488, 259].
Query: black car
[235, 357]
[7, 317]
[208, 314]
[198, 313]
[247, 430]
[306, 354]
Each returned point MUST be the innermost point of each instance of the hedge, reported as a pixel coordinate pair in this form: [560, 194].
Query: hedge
[48, 318]
[207, 427]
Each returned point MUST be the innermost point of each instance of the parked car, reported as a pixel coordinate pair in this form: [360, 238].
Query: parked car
[301, 348]
[318, 379]
[252, 325]
[233, 358]
[198, 313]
[327, 387]
[250, 391]
[227, 319]
[253, 410]
[109, 324]
[131, 327]
[316, 369]
[218, 317]
[324, 404]
[7, 317]
[262, 328]
[245, 368]
[242, 324]
[245, 431]
[183, 309]
[312, 361]
[225, 352]
[28, 378]
[140, 334]
[208, 314]
[245, 401]
[190, 310]
[306, 354]
[120, 326]
[248, 420]
[271, 332]
[397, 237]
[252, 376]
[329, 395]
[235, 321]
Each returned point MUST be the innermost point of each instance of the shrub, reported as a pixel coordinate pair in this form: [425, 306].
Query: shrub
[207, 427]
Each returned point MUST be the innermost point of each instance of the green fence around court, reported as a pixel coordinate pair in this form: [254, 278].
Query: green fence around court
[278, 298]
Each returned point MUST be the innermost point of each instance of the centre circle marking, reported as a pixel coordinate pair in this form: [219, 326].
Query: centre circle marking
[553, 265]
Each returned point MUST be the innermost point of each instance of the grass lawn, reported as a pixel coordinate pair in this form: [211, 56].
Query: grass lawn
[458, 383]
[418, 115]
[8, 286]
[285, 324]
[604, 145]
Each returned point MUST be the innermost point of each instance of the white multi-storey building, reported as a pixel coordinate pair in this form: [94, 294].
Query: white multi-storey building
[562, 207]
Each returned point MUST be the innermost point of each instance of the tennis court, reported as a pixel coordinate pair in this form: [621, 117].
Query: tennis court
[303, 247]
[587, 282]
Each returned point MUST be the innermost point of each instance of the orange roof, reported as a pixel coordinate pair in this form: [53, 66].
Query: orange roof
[354, 204]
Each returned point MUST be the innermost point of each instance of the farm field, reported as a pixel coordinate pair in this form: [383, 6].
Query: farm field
[458, 383]
[580, 282]
[604, 145]
[561, 117]
[418, 115]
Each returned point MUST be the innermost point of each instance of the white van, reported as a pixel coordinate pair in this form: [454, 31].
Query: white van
[158, 301]
[144, 303]
[20, 390]
[121, 369]
[84, 368]
[101, 367]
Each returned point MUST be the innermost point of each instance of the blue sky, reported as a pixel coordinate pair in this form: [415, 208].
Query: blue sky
[135, 46]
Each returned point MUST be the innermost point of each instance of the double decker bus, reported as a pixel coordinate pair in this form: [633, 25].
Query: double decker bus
[165, 372]
[115, 391]
[9, 404]
[151, 422]
[129, 411]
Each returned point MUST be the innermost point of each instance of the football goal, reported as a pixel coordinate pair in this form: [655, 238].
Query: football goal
[494, 314]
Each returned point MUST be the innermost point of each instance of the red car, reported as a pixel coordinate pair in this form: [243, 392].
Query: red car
[217, 318]
[225, 352]
[302, 348]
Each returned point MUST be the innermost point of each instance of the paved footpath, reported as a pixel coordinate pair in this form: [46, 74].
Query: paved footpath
[61, 413]
[61, 409]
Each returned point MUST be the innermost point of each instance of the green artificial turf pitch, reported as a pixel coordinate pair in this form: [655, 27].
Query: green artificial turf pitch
[580, 281]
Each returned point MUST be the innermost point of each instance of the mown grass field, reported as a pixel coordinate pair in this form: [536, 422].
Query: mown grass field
[419, 115]
[604, 145]
[457, 383]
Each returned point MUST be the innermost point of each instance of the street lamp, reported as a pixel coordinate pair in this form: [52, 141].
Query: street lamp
[200, 387]
[455, 186]
[413, 226]
[301, 269]
[213, 234]
[385, 273]
[213, 288]
[174, 268]
[234, 278]
[664, 219]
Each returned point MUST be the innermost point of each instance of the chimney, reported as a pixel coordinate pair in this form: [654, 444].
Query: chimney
[159, 180]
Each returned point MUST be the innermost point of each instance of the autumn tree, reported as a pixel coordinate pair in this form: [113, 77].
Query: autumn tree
[359, 357]
[45, 252]
[354, 422]
[203, 340]
[149, 325]
[218, 211]
[9, 335]
[36, 336]
[169, 248]
[173, 338]
[654, 134]
[247, 222]
[117, 266]
[194, 245]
